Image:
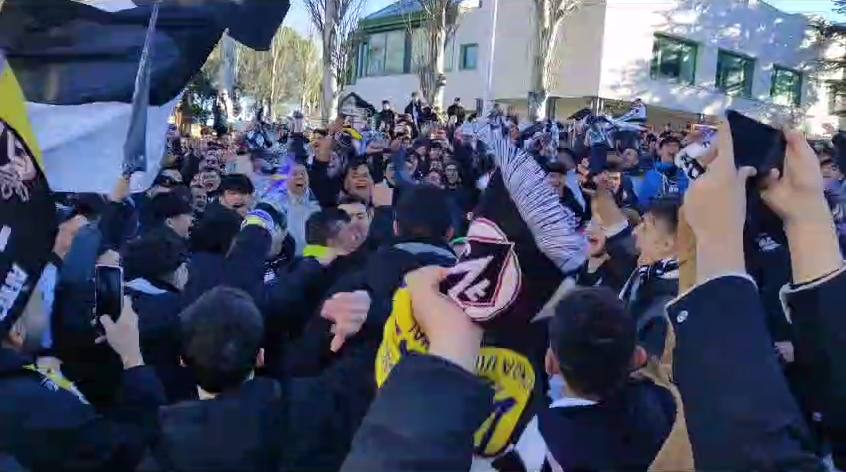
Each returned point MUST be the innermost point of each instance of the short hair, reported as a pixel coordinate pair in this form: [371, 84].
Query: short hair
[423, 211]
[155, 255]
[385, 101]
[325, 225]
[593, 339]
[222, 332]
[238, 183]
[174, 203]
[666, 209]
[669, 140]
[216, 230]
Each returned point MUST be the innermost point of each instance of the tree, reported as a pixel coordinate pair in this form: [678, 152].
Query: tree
[336, 22]
[438, 20]
[287, 74]
[548, 17]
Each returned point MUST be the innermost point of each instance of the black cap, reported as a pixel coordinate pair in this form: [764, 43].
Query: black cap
[238, 183]
[173, 203]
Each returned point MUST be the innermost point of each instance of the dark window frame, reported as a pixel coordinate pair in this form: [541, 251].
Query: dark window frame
[749, 73]
[655, 64]
[462, 56]
[797, 98]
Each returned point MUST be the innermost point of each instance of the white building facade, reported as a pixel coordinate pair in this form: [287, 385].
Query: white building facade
[687, 59]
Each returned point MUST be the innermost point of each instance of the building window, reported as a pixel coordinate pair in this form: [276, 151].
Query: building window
[674, 59]
[469, 56]
[383, 54]
[394, 52]
[786, 88]
[734, 74]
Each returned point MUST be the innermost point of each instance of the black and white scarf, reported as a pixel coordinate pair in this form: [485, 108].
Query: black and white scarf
[667, 269]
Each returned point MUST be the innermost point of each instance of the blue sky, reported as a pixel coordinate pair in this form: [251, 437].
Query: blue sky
[298, 19]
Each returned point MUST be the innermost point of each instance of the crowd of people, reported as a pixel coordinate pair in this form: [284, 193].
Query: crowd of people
[261, 268]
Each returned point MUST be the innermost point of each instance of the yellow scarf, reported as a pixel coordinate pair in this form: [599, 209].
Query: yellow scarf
[510, 373]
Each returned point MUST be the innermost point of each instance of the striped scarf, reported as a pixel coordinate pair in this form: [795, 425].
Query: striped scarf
[664, 269]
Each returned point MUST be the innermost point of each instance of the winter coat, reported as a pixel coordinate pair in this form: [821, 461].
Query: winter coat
[422, 420]
[47, 425]
[303, 424]
[622, 432]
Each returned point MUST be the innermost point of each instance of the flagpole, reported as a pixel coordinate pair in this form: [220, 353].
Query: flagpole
[135, 147]
[488, 97]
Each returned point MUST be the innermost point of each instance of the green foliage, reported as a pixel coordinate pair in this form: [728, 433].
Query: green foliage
[289, 73]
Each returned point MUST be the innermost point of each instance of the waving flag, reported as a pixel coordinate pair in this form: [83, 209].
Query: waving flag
[77, 63]
[521, 244]
[27, 213]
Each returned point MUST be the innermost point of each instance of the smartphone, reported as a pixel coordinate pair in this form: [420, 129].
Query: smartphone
[108, 291]
[762, 147]
[756, 144]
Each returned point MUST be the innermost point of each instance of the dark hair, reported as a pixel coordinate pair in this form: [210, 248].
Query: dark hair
[385, 101]
[593, 339]
[238, 183]
[669, 140]
[215, 231]
[155, 255]
[423, 211]
[222, 332]
[325, 225]
[351, 200]
[173, 203]
[666, 209]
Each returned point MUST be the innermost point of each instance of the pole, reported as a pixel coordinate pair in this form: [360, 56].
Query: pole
[488, 97]
[135, 157]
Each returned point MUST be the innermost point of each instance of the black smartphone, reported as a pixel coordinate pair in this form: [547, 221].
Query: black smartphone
[108, 291]
[762, 147]
[756, 144]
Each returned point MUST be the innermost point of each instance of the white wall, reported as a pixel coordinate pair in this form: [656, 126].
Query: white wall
[750, 27]
[605, 50]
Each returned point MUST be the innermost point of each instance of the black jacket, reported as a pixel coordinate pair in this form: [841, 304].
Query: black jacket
[385, 117]
[158, 306]
[739, 411]
[457, 111]
[647, 290]
[46, 427]
[819, 329]
[422, 420]
[304, 424]
[326, 189]
[623, 432]
[381, 276]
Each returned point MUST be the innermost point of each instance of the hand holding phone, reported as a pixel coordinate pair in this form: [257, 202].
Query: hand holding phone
[108, 291]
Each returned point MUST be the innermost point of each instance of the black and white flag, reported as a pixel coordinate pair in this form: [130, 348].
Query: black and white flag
[77, 63]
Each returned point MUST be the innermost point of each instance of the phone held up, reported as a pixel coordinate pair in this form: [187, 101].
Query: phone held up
[108, 292]
[763, 147]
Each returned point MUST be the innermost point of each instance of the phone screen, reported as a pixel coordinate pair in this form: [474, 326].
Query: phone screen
[108, 291]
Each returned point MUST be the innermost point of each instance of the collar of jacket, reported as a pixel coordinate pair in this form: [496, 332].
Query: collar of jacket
[150, 287]
[315, 250]
[432, 247]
